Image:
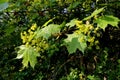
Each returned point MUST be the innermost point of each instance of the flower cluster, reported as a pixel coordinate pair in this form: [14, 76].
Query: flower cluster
[90, 34]
[28, 38]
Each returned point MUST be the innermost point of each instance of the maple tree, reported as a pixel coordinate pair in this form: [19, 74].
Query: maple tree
[59, 40]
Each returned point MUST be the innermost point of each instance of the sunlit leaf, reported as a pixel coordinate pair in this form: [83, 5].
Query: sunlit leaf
[29, 55]
[73, 43]
[47, 31]
[20, 52]
[107, 19]
[97, 11]
[48, 22]
[72, 23]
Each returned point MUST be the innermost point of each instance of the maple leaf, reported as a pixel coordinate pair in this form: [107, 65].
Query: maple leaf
[72, 43]
[29, 55]
[97, 11]
[71, 23]
[70, 37]
[107, 19]
[47, 31]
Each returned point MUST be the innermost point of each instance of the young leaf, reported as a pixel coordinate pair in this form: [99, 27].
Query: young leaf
[72, 43]
[107, 19]
[25, 58]
[71, 23]
[20, 52]
[47, 31]
[97, 11]
[29, 55]
[70, 37]
[48, 22]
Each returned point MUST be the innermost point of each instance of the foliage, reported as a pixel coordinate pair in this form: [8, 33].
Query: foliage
[107, 20]
[28, 54]
[94, 13]
[72, 43]
[59, 40]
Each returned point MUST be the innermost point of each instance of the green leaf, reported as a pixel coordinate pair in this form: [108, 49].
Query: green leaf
[48, 22]
[72, 43]
[73, 5]
[107, 19]
[29, 55]
[47, 31]
[20, 52]
[118, 61]
[97, 11]
[25, 58]
[71, 23]
[92, 77]
[9, 30]
[70, 37]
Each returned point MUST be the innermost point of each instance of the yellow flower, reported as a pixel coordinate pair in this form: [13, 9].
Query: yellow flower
[24, 33]
[78, 23]
[29, 30]
[82, 39]
[24, 37]
[33, 42]
[91, 39]
[86, 29]
[96, 42]
[34, 26]
[77, 31]
[27, 44]
[90, 27]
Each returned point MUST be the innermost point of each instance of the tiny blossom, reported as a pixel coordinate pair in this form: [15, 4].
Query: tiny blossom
[34, 26]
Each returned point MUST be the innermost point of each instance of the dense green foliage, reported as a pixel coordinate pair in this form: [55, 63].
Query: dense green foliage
[59, 40]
